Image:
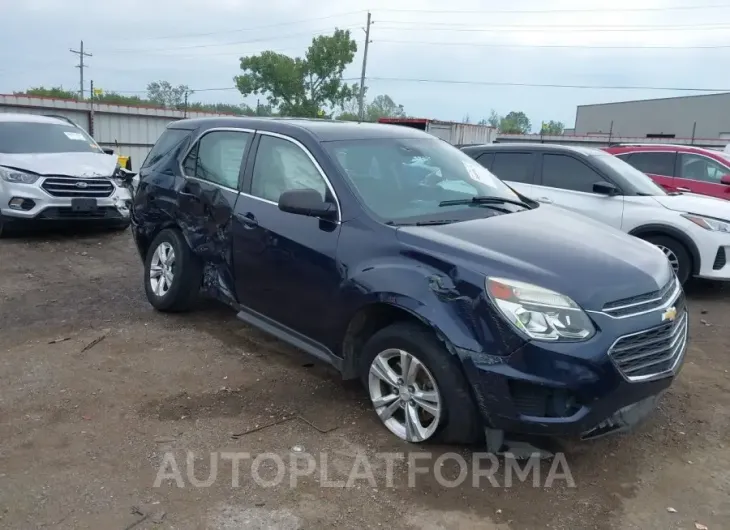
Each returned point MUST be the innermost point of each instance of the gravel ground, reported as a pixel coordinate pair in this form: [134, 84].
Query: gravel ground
[99, 394]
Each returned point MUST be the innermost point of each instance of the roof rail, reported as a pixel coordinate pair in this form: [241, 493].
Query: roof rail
[64, 118]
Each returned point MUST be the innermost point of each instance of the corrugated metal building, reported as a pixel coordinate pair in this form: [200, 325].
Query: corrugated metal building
[131, 131]
[706, 116]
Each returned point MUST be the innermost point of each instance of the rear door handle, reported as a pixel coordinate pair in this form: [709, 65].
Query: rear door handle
[686, 190]
[545, 200]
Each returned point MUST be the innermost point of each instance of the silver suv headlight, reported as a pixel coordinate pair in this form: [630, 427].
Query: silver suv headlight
[708, 223]
[540, 313]
[17, 177]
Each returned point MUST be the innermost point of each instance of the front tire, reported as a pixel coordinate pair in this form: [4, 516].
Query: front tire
[173, 274]
[417, 387]
[677, 255]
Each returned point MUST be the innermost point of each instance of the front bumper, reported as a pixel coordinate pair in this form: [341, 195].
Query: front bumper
[714, 253]
[578, 389]
[40, 206]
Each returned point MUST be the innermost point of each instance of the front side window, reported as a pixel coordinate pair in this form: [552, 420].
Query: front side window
[165, 145]
[697, 167]
[17, 137]
[568, 173]
[217, 157]
[282, 166]
[409, 180]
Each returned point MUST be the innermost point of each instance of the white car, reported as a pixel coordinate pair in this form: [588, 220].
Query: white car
[51, 170]
[692, 230]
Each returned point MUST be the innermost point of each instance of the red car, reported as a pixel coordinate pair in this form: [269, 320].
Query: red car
[680, 167]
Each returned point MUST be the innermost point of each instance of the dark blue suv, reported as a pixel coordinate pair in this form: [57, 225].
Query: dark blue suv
[466, 309]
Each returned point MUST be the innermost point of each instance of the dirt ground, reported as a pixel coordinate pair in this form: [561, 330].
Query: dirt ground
[96, 389]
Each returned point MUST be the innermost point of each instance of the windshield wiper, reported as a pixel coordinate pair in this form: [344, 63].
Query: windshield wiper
[483, 199]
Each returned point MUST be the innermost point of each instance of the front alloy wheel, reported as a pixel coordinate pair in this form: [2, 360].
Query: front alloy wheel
[162, 269]
[405, 395]
[671, 256]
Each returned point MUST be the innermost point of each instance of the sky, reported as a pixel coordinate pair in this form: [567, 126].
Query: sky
[441, 60]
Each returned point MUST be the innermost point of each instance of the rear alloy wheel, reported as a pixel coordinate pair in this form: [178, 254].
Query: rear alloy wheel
[173, 274]
[405, 395]
[677, 255]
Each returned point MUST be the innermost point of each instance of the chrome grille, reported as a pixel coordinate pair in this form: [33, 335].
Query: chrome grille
[75, 187]
[652, 353]
[642, 303]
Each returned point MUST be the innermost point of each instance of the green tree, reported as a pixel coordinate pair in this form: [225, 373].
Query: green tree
[301, 86]
[515, 123]
[57, 92]
[494, 120]
[552, 127]
[163, 94]
[112, 98]
[383, 106]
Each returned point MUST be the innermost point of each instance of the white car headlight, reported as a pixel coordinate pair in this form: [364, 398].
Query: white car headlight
[708, 223]
[17, 177]
[539, 313]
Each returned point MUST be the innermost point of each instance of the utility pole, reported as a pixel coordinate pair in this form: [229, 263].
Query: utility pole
[80, 52]
[185, 108]
[91, 108]
[361, 113]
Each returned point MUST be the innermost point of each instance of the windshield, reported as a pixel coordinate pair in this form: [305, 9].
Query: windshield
[35, 137]
[642, 183]
[402, 180]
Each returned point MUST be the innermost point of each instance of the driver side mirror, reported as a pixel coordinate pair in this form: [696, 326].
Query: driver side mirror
[107, 151]
[307, 202]
[725, 180]
[605, 188]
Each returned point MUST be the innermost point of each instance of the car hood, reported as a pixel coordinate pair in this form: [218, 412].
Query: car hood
[589, 261]
[84, 165]
[698, 204]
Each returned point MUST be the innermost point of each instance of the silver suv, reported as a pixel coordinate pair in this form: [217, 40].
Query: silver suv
[52, 170]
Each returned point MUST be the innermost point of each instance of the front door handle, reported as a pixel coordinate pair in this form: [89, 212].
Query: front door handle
[686, 190]
[544, 200]
[249, 221]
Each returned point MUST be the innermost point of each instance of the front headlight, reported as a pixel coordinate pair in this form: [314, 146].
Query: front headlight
[708, 223]
[539, 313]
[17, 177]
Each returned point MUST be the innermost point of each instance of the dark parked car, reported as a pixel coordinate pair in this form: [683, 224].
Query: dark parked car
[394, 257]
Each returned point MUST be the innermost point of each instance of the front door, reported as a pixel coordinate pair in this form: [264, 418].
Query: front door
[703, 175]
[567, 181]
[212, 170]
[286, 267]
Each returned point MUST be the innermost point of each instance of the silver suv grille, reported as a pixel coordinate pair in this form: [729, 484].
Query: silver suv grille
[653, 353]
[75, 187]
[628, 307]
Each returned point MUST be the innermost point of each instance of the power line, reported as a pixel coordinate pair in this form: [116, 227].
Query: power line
[254, 28]
[567, 46]
[588, 10]
[582, 27]
[541, 29]
[218, 44]
[546, 85]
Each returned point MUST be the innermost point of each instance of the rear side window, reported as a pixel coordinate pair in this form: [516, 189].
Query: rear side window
[653, 163]
[515, 167]
[217, 157]
[568, 173]
[166, 144]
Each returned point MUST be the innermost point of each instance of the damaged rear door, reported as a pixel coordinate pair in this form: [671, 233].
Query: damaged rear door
[212, 169]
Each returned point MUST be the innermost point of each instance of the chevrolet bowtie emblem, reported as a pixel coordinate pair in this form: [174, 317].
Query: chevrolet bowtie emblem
[670, 314]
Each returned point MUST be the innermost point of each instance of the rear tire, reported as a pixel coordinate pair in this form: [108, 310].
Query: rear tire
[676, 253]
[457, 419]
[173, 274]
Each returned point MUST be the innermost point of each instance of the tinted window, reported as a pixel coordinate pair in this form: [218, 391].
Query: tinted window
[28, 137]
[406, 180]
[217, 157]
[653, 163]
[634, 180]
[696, 167]
[486, 159]
[568, 173]
[516, 167]
[283, 166]
[166, 144]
